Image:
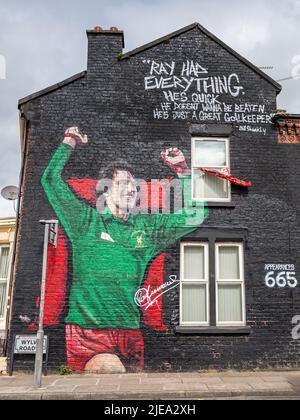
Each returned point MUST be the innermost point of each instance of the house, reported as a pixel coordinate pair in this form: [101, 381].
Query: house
[175, 184]
[7, 231]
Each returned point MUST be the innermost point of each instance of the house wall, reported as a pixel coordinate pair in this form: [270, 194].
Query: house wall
[124, 119]
[7, 230]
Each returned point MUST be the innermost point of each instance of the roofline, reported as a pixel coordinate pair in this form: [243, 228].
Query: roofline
[52, 88]
[7, 221]
[286, 116]
[188, 28]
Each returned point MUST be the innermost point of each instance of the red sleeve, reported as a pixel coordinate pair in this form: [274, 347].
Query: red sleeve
[56, 285]
[153, 315]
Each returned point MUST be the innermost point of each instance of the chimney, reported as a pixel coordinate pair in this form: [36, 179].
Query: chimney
[104, 49]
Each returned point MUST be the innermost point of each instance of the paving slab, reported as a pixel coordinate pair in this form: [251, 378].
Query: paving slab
[159, 381]
[243, 380]
[186, 387]
[75, 382]
[205, 380]
[15, 390]
[96, 389]
[276, 386]
[271, 379]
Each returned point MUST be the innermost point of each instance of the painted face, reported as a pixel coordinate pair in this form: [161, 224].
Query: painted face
[124, 191]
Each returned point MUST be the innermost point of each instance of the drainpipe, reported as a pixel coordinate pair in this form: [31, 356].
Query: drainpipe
[24, 135]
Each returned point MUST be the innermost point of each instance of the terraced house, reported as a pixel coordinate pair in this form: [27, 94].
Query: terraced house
[174, 180]
[7, 231]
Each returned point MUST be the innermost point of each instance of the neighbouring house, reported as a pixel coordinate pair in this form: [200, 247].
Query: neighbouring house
[175, 183]
[7, 232]
[288, 126]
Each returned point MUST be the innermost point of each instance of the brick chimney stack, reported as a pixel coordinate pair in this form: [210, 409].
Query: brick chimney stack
[104, 48]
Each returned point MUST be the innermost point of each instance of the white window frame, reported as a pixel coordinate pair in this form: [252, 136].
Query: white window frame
[5, 281]
[220, 139]
[240, 281]
[199, 282]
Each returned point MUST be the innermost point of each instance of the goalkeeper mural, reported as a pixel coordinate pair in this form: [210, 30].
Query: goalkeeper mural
[112, 246]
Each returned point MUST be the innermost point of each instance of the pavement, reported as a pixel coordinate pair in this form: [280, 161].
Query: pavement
[155, 386]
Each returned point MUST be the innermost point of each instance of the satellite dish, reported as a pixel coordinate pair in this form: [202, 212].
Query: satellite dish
[10, 193]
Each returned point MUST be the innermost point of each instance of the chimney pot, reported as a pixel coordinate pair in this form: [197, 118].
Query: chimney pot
[114, 29]
[98, 29]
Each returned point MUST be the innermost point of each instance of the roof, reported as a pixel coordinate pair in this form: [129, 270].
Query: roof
[150, 45]
[52, 88]
[175, 34]
[286, 116]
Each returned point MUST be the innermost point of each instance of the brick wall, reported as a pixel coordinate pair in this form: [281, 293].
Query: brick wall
[123, 120]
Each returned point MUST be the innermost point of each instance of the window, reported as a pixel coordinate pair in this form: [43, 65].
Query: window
[194, 285]
[4, 268]
[212, 285]
[230, 295]
[210, 153]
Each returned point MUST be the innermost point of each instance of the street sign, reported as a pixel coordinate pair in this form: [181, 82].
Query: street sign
[53, 233]
[26, 344]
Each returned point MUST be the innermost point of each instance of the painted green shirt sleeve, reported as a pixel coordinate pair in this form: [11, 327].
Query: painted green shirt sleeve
[171, 227]
[73, 214]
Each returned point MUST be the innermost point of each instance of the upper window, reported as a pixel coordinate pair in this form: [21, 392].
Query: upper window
[4, 268]
[210, 153]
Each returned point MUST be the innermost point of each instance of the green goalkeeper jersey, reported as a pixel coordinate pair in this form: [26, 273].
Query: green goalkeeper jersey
[110, 255]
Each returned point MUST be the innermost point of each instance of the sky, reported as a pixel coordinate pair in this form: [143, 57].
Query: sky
[44, 42]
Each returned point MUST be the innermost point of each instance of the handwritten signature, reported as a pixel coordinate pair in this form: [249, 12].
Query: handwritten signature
[144, 298]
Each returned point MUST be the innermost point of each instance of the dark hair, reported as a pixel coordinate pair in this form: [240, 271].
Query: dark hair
[110, 170]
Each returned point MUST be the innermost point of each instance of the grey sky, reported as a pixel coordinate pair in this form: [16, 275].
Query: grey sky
[45, 42]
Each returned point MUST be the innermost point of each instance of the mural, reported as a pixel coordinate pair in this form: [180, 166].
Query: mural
[114, 245]
[189, 92]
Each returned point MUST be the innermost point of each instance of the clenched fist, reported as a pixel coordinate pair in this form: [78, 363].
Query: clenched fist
[73, 137]
[175, 159]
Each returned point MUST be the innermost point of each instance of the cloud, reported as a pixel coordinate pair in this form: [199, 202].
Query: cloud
[45, 42]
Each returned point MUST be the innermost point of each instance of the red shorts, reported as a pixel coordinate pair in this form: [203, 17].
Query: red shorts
[82, 345]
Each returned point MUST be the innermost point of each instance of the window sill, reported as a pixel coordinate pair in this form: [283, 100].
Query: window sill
[214, 330]
[221, 205]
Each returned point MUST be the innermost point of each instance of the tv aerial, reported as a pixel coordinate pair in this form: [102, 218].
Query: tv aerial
[10, 193]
